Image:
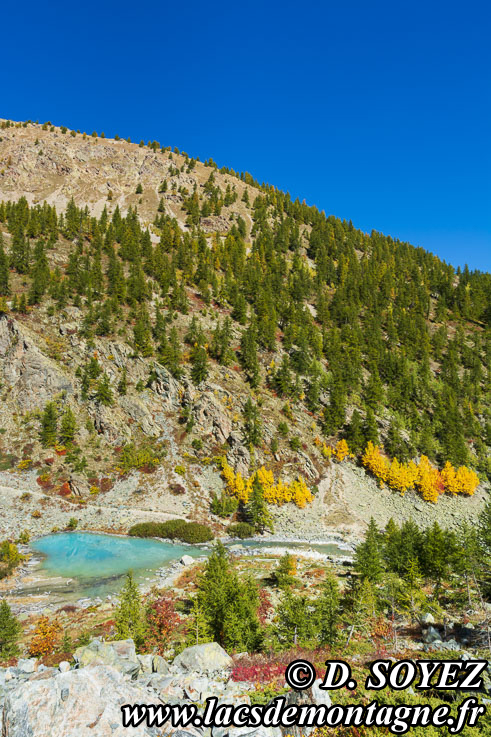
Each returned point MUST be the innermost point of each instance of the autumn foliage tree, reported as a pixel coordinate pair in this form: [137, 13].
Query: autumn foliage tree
[162, 622]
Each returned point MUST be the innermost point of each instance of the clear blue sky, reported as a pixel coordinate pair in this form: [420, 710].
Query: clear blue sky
[375, 111]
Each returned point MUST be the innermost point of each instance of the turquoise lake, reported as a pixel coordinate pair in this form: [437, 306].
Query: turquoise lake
[92, 565]
[97, 564]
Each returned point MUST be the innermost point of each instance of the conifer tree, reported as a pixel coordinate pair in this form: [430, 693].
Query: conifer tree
[170, 354]
[285, 571]
[142, 334]
[68, 427]
[257, 508]
[123, 383]
[10, 630]
[296, 621]
[370, 429]
[368, 557]
[129, 616]
[354, 433]
[198, 631]
[19, 251]
[252, 423]
[104, 394]
[49, 425]
[199, 365]
[327, 607]
[4, 270]
[40, 274]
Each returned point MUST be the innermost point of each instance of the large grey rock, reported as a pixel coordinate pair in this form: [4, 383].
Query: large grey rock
[27, 665]
[146, 662]
[160, 665]
[211, 417]
[120, 654]
[432, 635]
[208, 657]
[427, 618]
[80, 703]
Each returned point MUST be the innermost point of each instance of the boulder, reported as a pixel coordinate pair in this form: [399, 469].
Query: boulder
[427, 618]
[146, 663]
[208, 657]
[186, 560]
[28, 665]
[120, 654]
[79, 703]
[432, 635]
[159, 665]
[211, 417]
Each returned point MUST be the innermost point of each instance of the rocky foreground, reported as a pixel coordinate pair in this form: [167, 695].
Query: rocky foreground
[85, 699]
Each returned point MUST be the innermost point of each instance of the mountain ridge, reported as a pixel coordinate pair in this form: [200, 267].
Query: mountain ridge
[316, 326]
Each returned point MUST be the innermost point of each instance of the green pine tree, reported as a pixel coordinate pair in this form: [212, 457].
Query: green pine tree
[123, 383]
[327, 607]
[129, 616]
[4, 270]
[68, 427]
[104, 394]
[199, 365]
[257, 508]
[368, 555]
[49, 425]
[197, 631]
[10, 630]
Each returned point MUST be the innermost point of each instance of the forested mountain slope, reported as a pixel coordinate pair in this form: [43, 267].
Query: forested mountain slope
[160, 313]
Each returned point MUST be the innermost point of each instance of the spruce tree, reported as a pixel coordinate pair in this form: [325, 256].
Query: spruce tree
[104, 394]
[199, 365]
[4, 270]
[123, 383]
[10, 630]
[197, 631]
[129, 616]
[49, 425]
[327, 606]
[68, 427]
[257, 508]
[368, 556]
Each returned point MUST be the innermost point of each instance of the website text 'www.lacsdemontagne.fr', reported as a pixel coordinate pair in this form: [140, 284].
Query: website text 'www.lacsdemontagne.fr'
[398, 719]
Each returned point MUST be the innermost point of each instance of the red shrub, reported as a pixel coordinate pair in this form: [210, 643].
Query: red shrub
[163, 621]
[65, 489]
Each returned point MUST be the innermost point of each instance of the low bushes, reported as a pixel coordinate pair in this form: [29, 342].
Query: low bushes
[174, 529]
[241, 530]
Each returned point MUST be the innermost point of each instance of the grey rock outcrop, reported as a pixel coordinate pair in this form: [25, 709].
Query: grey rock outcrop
[79, 703]
[32, 377]
[209, 657]
[120, 654]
